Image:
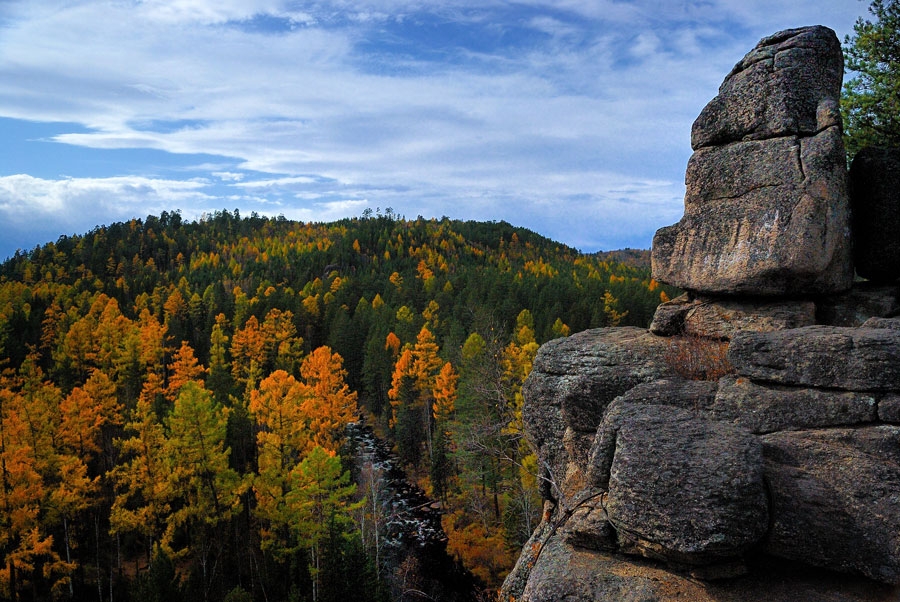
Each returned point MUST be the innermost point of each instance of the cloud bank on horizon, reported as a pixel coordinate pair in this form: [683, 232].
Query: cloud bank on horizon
[568, 117]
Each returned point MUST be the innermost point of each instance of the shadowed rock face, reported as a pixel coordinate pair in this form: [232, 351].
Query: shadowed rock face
[875, 199]
[829, 499]
[766, 205]
[576, 574]
[575, 378]
[795, 456]
[709, 466]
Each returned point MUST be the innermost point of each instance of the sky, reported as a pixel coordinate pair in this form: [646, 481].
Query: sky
[568, 117]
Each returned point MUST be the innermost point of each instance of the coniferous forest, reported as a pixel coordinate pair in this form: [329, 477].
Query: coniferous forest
[188, 410]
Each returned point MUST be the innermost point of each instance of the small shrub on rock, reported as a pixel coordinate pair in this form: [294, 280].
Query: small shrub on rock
[698, 358]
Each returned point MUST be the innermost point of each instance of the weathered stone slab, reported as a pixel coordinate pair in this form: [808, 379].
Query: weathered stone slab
[588, 526]
[875, 202]
[835, 499]
[858, 305]
[720, 318]
[668, 319]
[692, 395]
[768, 217]
[769, 408]
[779, 88]
[831, 357]
[573, 574]
[572, 381]
[666, 460]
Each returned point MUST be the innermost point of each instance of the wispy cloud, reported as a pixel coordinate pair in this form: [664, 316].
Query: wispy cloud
[532, 112]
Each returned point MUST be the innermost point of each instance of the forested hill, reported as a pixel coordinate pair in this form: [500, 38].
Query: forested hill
[189, 272]
[174, 397]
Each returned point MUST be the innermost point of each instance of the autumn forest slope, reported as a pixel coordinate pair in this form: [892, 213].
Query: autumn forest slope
[174, 398]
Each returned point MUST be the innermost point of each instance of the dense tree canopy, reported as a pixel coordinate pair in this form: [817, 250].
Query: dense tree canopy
[175, 396]
[871, 100]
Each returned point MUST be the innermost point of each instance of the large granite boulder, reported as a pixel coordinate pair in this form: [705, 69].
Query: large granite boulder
[667, 459]
[836, 499]
[828, 357]
[766, 205]
[674, 473]
[875, 202]
[572, 381]
[783, 460]
[673, 392]
[776, 90]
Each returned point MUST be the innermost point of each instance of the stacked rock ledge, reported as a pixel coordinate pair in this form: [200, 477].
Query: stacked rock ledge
[775, 474]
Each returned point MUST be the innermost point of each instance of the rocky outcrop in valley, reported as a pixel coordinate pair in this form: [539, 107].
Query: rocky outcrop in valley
[747, 445]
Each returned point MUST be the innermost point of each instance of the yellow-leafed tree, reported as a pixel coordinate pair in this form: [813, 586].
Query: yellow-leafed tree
[330, 405]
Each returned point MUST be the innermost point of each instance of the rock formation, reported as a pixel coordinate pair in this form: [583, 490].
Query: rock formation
[766, 207]
[746, 446]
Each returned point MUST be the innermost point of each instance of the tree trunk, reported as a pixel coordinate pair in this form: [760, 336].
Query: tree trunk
[68, 554]
[12, 581]
[97, 547]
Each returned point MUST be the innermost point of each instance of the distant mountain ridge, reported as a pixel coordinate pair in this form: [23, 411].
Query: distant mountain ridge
[636, 258]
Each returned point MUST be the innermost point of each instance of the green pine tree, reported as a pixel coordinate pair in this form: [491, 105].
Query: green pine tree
[870, 105]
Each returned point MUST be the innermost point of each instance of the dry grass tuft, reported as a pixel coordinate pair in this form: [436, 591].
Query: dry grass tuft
[698, 358]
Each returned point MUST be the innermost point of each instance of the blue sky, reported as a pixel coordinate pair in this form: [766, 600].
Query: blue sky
[568, 117]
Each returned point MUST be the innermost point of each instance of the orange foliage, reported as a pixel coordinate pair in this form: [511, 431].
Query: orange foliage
[403, 368]
[445, 392]
[276, 408]
[331, 405]
[427, 363]
[484, 552]
[248, 348]
[392, 342]
[184, 369]
[423, 271]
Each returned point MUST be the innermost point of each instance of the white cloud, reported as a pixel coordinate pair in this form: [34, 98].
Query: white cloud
[646, 44]
[326, 212]
[277, 182]
[228, 176]
[207, 11]
[72, 202]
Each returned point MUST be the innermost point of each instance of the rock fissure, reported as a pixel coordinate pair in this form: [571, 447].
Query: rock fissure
[800, 166]
[743, 193]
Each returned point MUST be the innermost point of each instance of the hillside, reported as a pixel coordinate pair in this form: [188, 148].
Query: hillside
[175, 396]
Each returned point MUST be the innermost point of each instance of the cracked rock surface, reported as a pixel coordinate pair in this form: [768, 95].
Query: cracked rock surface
[766, 203]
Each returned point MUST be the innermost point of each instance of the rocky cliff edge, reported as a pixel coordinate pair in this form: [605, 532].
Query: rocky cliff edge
[747, 445]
